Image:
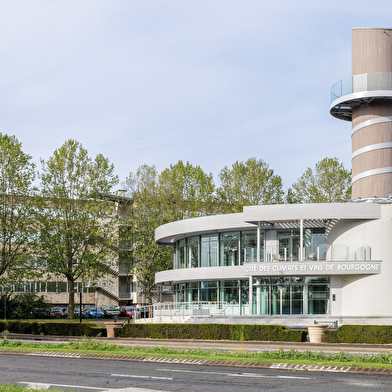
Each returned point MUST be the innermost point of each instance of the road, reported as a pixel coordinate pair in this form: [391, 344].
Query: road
[103, 375]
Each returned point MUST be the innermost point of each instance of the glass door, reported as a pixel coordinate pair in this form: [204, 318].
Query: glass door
[280, 299]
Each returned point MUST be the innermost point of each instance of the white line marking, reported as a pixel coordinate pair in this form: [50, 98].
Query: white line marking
[37, 385]
[255, 375]
[133, 376]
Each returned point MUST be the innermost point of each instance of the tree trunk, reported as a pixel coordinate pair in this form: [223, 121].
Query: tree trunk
[71, 299]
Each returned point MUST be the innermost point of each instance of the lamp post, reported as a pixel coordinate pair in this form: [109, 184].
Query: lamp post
[80, 302]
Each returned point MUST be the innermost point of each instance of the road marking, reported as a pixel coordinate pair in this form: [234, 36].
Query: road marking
[254, 375]
[38, 385]
[133, 376]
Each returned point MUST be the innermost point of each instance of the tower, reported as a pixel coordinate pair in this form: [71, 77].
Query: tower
[365, 99]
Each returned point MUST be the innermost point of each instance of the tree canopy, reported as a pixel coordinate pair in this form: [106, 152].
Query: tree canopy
[249, 183]
[78, 235]
[17, 174]
[329, 182]
[150, 210]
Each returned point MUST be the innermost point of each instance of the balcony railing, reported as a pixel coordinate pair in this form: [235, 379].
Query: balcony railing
[337, 252]
[196, 309]
[360, 83]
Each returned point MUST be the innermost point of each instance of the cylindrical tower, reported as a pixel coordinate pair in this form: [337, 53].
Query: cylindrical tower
[365, 99]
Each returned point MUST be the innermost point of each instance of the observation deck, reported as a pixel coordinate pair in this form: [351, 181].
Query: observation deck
[357, 90]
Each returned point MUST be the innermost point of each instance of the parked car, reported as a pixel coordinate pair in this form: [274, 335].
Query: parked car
[58, 313]
[77, 312]
[111, 311]
[94, 313]
[128, 311]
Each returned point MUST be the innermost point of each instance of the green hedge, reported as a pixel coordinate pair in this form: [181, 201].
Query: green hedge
[371, 334]
[212, 332]
[48, 328]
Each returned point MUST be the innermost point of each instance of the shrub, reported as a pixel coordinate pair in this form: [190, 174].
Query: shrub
[371, 334]
[49, 328]
[23, 306]
[211, 332]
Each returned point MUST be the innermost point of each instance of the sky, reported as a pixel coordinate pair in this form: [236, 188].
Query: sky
[153, 82]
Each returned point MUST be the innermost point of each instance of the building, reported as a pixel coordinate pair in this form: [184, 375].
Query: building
[118, 287]
[292, 264]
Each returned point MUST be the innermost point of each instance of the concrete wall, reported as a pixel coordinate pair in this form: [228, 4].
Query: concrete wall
[365, 295]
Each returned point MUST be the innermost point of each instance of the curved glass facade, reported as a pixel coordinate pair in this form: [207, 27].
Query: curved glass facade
[239, 247]
[268, 295]
[213, 250]
[287, 295]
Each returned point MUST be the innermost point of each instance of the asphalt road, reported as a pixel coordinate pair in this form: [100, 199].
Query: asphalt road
[103, 375]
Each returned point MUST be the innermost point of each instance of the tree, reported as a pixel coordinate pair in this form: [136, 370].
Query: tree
[329, 182]
[16, 211]
[249, 183]
[150, 210]
[78, 236]
[190, 189]
[178, 192]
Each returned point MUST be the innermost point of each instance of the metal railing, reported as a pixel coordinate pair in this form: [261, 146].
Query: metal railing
[194, 309]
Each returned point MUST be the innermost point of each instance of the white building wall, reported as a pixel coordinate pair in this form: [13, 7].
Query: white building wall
[365, 295]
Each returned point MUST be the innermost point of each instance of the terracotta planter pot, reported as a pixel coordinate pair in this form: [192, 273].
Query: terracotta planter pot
[110, 328]
[316, 332]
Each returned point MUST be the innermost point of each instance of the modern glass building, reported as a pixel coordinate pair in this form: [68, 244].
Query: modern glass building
[309, 261]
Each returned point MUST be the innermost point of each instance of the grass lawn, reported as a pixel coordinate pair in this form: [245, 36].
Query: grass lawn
[91, 346]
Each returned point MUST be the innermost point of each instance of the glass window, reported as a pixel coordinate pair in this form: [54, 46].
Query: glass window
[209, 250]
[289, 244]
[249, 246]
[193, 252]
[229, 249]
[260, 297]
[191, 292]
[181, 254]
[230, 291]
[317, 289]
[179, 290]
[209, 291]
[51, 287]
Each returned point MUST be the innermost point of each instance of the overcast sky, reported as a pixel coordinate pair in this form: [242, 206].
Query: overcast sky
[157, 81]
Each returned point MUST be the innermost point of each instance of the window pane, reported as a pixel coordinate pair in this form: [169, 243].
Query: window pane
[229, 244]
[209, 251]
[193, 252]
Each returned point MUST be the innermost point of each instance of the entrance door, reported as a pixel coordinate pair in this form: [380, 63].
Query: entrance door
[280, 299]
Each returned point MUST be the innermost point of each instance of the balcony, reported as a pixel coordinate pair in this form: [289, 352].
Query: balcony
[359, 89]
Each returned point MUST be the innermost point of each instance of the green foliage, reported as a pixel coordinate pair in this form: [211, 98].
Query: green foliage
[329, 182]
[17, 173]
[23, 306]
[180, 191]
[77, 225]
[249, 183]
[50, 328]
[189, 189]
[212, 332]
[370, 334]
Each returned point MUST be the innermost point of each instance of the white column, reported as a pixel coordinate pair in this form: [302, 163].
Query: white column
[258, 243]
[250, 295]
[301, 239]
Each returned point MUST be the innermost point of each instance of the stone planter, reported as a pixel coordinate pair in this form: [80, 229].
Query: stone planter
[110, 328]
[316, 332]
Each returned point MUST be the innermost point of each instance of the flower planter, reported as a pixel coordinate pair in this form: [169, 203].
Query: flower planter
[316, 332]
[110, 328]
